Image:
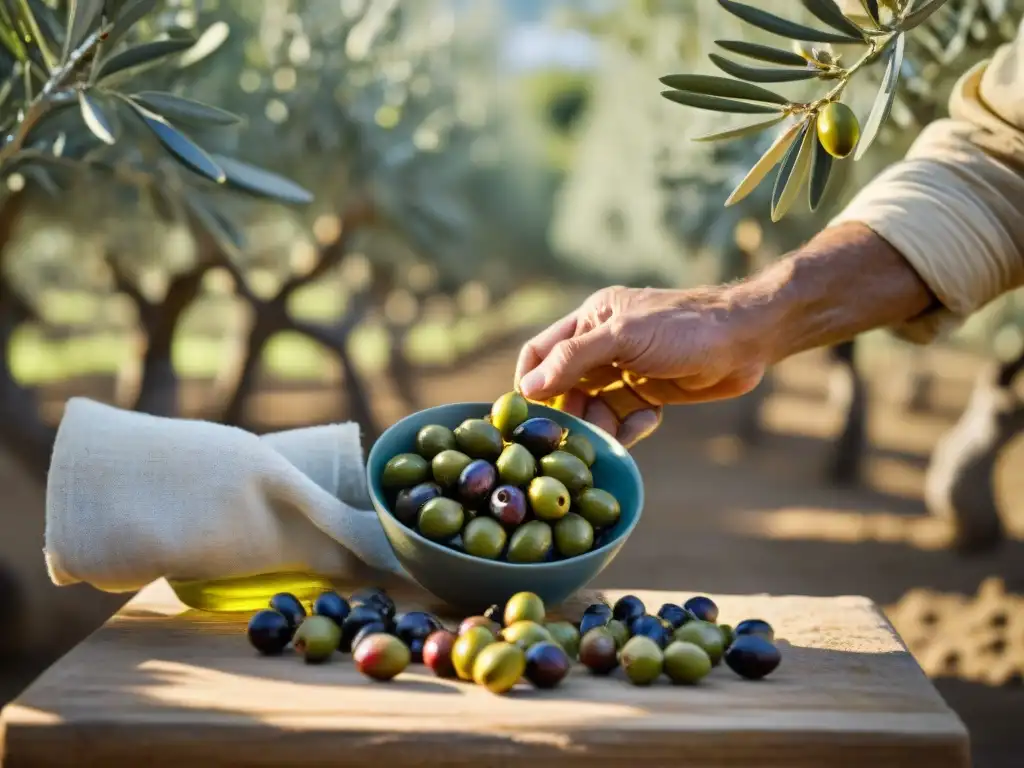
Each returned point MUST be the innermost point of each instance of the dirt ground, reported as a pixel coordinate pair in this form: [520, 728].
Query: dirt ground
[719, 518]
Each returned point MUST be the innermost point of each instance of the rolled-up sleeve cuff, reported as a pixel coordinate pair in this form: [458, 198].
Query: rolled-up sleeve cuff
[953, 212]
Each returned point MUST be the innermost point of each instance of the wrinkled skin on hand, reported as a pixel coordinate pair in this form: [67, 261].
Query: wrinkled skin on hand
[625, 353]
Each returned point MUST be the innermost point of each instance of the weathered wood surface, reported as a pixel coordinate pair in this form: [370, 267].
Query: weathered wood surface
[161, 686]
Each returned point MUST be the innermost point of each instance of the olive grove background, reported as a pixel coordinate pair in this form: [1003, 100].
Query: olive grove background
[476, 168]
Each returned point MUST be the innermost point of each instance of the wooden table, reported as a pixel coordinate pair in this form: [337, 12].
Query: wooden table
[160, 686]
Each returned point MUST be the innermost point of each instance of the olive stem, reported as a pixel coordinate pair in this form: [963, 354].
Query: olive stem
[875, 47]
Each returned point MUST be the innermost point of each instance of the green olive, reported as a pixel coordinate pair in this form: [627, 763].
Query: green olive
[566, 635]
[581, 447]
[838, 129]
[448, 465]
[526, 633]
[642, 660]
[523, 606]
[404, 471]
[508, 412]
[568, 469]
[467, 648]
[705, 635]
[549, 498]
[619, 631]
[478, 439]
[316, 639]
[484, 537]
[516, 466]
[573, 535]
[499, 666]
[531, 543]
[598, 507]
[441, 518]
[686, 663]
[433, 439]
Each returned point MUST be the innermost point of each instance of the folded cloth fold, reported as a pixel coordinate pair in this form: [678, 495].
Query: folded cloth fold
[131, 498]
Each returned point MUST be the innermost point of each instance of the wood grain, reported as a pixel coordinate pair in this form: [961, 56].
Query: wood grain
[161, 686]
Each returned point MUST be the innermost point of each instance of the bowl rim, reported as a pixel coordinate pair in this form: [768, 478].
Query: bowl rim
[382, 508]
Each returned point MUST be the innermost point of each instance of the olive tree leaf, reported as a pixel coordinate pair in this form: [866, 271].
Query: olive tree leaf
[821, 170]
[49, 25]
[920, 16]
[228, 235]
[261, 182]
[885, 98]
[42, 177]
[871, 8]
[83, 17]
[763, 52]
[30, 24]
[710, 85]
[180, 146]
[768, 161]
[718, 104]
[763, 74]
[745, 130]
[208, 44]
[96, 118]
[180, 109]
[142, 55]
[126, 16]
[793, 170]
[779, 26]
[828, 12]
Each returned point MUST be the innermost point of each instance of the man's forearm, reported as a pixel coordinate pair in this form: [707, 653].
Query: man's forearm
[844, 282]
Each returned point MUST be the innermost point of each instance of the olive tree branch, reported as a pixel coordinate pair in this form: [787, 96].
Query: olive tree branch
[46, 98]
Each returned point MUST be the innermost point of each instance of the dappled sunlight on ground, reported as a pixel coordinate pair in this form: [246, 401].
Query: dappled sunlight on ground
[840, 526]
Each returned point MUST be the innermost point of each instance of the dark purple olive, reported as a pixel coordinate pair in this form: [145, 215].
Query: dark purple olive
[755, 627]
[416, 646]
[288, 605]
[703, 608]
[675, 615]
[546, 664]
[361, 615]
[373, 628]
[594, 619]
[752, 657]
[628, 609]
[333, 606]
[409, 501]
[374, 597]
[598, 651]
[538, 435]
[416, 624]
[652, 627]
[476, 483]
[269, 632]
[508, 505]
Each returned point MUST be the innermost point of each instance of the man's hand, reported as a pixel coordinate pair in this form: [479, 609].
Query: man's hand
[627, 352]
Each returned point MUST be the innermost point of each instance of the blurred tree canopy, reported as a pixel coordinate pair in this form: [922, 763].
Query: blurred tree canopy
[430, 195]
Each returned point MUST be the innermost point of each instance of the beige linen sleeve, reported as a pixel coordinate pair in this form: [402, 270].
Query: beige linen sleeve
[954, 206]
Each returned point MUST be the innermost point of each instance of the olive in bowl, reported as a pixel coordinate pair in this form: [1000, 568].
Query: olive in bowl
[557, 566]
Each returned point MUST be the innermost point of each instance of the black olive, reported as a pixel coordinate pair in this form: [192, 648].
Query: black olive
[703, 608]
[288, 605]
[752, 657]
[269, 632]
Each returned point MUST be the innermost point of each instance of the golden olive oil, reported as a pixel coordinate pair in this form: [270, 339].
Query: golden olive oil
[250, 593]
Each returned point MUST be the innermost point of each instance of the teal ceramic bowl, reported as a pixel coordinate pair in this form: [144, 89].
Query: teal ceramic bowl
[473, 584]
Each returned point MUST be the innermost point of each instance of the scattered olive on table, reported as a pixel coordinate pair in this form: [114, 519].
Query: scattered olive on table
[507, 487]
[518, 641]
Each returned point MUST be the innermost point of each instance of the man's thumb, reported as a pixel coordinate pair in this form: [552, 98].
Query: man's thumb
[568, 362]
